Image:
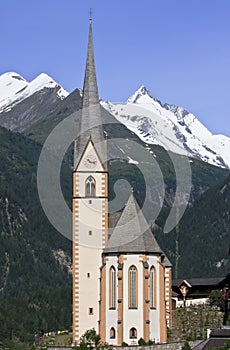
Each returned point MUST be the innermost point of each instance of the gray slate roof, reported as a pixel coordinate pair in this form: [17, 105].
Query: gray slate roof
[210, 281]
[166, 262]
[220, 332]
[132, 233]
[91, 111]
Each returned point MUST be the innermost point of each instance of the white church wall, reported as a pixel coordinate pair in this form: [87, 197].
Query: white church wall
[155, 313]
[168, 296]
[89, 260]
[90, 239]
[133, 317]
[90, 223]
[111, 314]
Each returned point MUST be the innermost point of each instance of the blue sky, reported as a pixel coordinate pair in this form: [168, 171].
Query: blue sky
[178, 49]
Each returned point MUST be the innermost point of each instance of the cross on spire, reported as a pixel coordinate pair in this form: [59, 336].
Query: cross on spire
[90, 14]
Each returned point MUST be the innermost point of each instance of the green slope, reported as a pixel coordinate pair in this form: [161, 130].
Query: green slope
[35, 290]
[203, 235]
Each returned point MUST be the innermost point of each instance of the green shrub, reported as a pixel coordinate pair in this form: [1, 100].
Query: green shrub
[141, 341]
[186, 346]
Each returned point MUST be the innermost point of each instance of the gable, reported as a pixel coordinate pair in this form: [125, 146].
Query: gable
[90, 160]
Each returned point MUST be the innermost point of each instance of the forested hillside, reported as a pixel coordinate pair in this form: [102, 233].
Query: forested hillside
[35, 285]
[203, 235]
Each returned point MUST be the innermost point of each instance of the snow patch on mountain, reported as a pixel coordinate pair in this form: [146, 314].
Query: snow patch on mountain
[171, 127]
[14, 88]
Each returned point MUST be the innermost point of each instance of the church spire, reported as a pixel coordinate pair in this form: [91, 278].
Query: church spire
[90, 90]
[91, 121]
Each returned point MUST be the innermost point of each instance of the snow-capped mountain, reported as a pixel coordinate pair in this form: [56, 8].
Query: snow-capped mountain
[171, 127]
[14, 88]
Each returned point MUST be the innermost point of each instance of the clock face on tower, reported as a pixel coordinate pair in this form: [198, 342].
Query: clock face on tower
[90, 161]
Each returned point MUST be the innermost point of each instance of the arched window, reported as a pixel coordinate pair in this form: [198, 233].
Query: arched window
[112, 288]
[152, 287]
[112, 333]
[132, 333]
[90, 187]
[132, 287]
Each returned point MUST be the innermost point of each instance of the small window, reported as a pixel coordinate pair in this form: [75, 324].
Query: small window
[90, 201]
[88, 275]
[91, 311]
[112, 333]
[90, 233]
[133, 333]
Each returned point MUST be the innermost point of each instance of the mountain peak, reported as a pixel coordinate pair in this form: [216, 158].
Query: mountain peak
[141, 92]
[11, 75]
[144, 91]
[41, 81]
[14, 88]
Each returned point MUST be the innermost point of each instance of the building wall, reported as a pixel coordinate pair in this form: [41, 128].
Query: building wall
[155, 313]
[168, 299]
[90, 223]
[135, 317]
[111, 314]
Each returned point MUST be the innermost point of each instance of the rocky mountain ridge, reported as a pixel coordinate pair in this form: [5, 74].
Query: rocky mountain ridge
[24, 104]
[171, 127]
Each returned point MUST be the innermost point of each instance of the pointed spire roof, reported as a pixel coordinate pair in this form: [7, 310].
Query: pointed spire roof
[132, 233]
[91, 121]
[90, 90]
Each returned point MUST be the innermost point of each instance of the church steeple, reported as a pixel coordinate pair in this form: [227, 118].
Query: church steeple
[91, 121]
[90, 90]
[90, 203]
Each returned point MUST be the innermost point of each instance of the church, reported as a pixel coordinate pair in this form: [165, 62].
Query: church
[121, 283]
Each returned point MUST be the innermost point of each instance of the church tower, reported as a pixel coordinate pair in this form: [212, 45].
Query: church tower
[90, 201]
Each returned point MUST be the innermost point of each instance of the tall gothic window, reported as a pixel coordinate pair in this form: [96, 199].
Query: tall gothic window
[112, 287]
[152, 287]
[90, 186]
[132, 287]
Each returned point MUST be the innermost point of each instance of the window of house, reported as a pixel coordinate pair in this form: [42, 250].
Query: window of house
[132, 287]
[90, 310]
[90, 187]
